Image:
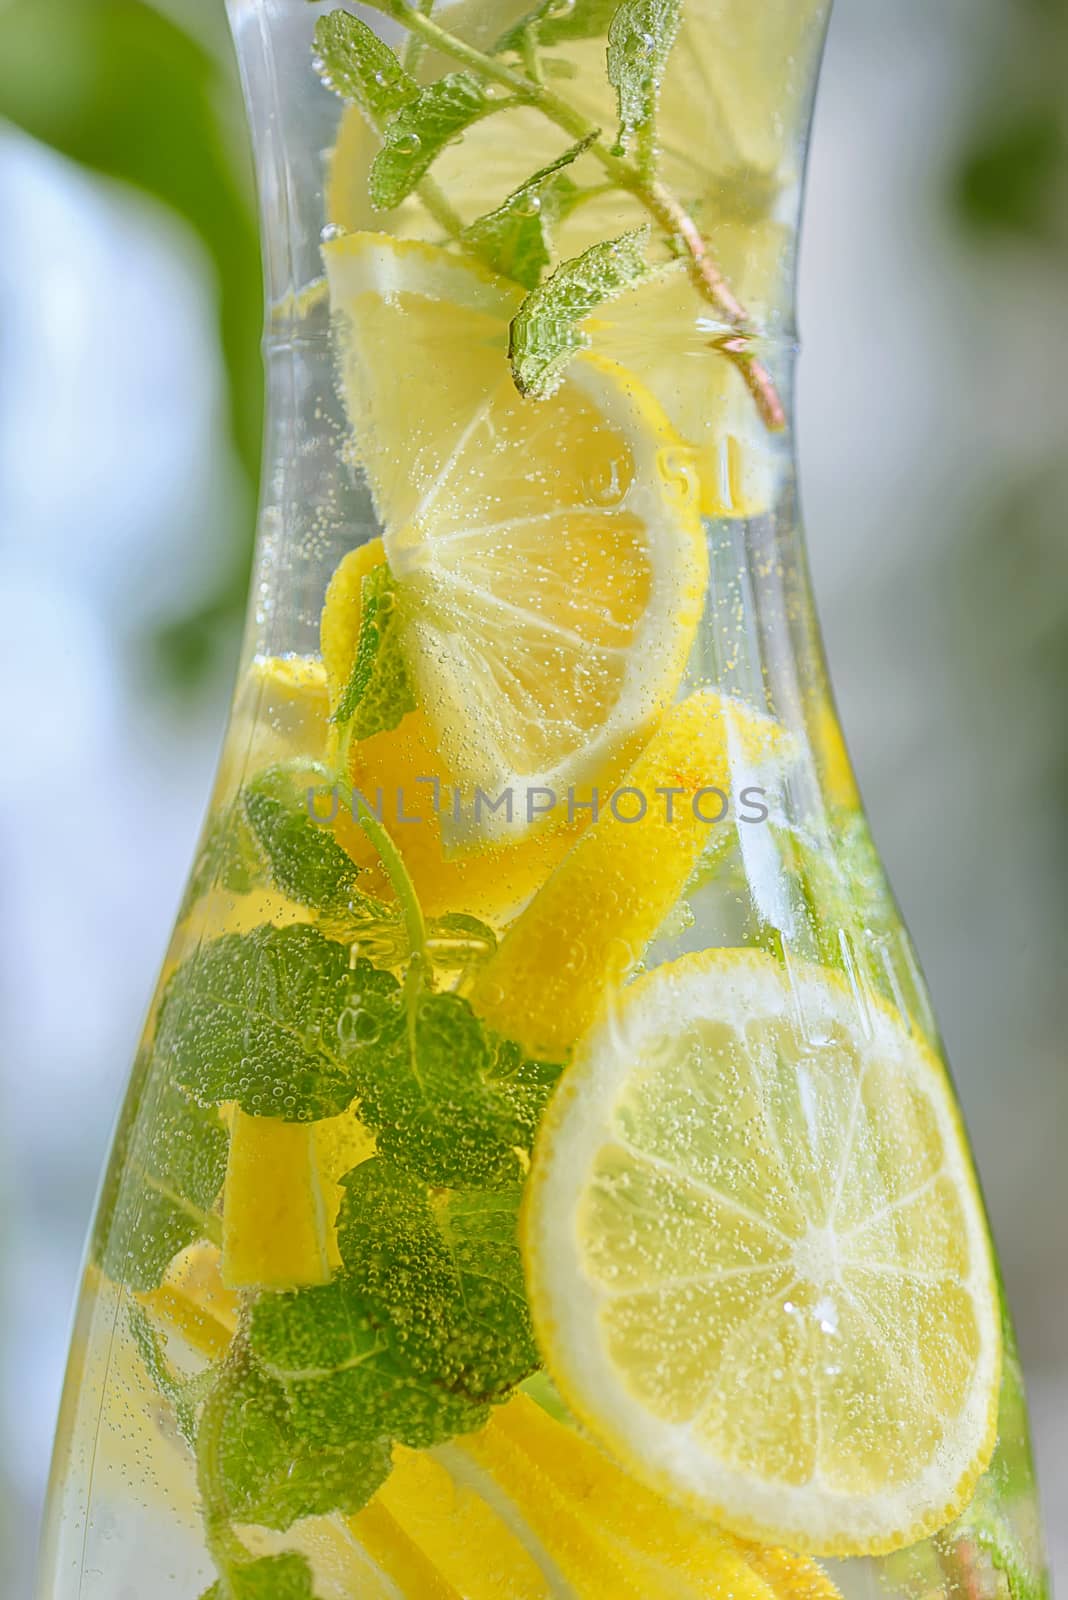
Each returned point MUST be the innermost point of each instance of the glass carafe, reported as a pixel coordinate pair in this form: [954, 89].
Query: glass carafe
[539, 1176]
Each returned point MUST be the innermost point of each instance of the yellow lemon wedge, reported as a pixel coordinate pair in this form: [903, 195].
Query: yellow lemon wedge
[757, 1259]
[339, 625]
[549, 557]
[194, 1302]
[549, 1513]
[586, 929]
[662, 1547]
[281, 1198]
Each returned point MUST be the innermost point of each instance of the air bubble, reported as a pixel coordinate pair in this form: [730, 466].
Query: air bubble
[608, 487]
[406, 143]
[330, 232]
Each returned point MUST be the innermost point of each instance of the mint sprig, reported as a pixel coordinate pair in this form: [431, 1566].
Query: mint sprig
[426, 1325]
[640, 36]
[346, 1375]
[303, 859]
[168, 1176]
[417, 134]
[547, 331]
[285, 1023]
[356, 63]
[515, 239]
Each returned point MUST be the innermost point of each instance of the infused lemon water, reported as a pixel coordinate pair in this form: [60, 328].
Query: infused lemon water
[539, 1176]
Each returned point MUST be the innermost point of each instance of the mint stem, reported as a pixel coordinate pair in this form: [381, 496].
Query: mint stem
[651, 192]
[397, 873]
[224, 1547]
[390, 857]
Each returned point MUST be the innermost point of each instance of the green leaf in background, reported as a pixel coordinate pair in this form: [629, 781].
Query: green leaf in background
[1012, 178]
[516, 238]
[546, 332]
[171, 1177]
[379, 691]
[419, 132]
[118, 87]
[262, 1476]
[255, 1018]
[354, 62]
[286, 1577]
[640, 41]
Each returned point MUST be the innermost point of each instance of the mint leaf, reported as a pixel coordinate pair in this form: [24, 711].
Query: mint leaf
[258, 1018]
[164, 1177]
[284, 1022]
[226, 858]
[546, 332]
[551, 23]
[640, 41]
[379, 691]
[515, 238]
[346, 1374]
[305, 860]
[420, 130]
[180, 1393]
[266, 1474]
[425, 1329]
[286, 1577]
[446, 1098]
[353, 61]
[443, 1272]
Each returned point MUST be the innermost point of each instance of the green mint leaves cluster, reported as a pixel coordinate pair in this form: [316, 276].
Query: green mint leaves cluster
[425, 1326]
[417, 121]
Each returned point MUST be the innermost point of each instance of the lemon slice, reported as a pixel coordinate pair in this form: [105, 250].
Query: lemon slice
[391, 770]
[757, 1259]
[549, 554]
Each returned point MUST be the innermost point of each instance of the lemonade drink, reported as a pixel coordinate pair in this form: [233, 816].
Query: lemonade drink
[539, 1176]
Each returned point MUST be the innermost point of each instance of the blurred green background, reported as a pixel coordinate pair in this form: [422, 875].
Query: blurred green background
[934, 417]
